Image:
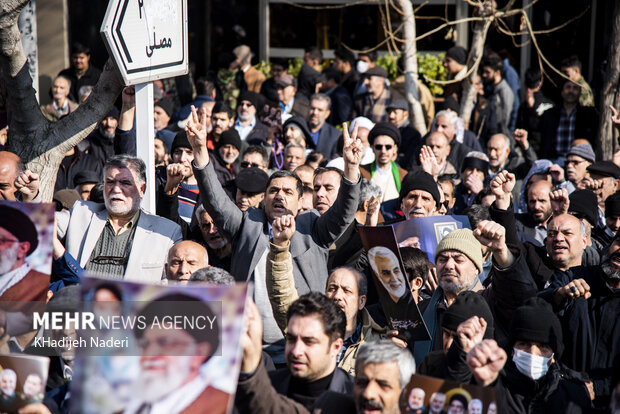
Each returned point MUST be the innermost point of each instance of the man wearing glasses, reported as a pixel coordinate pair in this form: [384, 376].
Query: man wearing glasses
[384, 139]
[117, 238]
[578, 159]
[18, 239]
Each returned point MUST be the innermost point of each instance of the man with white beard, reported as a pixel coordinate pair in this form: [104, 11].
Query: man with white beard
[170, 379]
[18, 239]
[116, 237]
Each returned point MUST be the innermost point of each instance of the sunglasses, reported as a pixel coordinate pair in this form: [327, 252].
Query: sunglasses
[379, 147]
[246, 164]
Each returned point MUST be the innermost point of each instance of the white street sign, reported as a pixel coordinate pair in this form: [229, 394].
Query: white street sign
[147, 38]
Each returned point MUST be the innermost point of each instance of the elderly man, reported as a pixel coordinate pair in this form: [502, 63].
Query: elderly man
[294, 156]
[434, 156]
[170, 378]
[461, 141]
[373, 103]
[536, 346]
[225, 154]
[8, 384]
[252, 77]
[386, 267]
[184, 258]
[118, 238]
[578, 159]
[384, 139]
[15, 183]
[290, 102]
[603, 181]
[588, 302]
[61, 105]
[314, 334]
[19, 238]
[458, 258]
[501, 157]
[383, 370]
[324, 135]
[419, 195]
[250, 230]
[250, 129]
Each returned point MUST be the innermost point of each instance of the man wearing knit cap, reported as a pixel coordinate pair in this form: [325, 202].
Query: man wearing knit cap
[455, 63]
[248, 126]
[587, 301]
[398, 115]
[473, 176]
[612, 214]
[384, 139]
[578, 159]
[162, 113]
[225, 154]
[458, 259]
[373, 103]
[419, 195]
[180, 176]
[19, 236]
[532, 376]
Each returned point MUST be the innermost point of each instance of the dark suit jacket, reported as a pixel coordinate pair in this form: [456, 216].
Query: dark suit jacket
[258, 134]
[457, 154]
[328, 140]
[301, 106]
[586, 125]
[342, 106]
[249, 232]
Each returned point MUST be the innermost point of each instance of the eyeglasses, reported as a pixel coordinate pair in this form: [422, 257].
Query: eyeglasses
[246, 164]
[378, 147]
[246, 103]
[110, 260]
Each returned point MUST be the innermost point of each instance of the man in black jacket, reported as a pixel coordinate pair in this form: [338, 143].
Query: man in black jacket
[532, 381]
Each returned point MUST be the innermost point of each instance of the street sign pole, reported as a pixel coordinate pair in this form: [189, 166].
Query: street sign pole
[148, 41]
[145, 140]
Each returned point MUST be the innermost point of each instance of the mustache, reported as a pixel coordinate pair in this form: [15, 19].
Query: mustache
[365, 403]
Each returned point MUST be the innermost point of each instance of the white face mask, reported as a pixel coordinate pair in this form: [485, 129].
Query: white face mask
[362, 66]
[532, 366]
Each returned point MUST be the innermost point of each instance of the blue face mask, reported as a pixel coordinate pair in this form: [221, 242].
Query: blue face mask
[532, 366]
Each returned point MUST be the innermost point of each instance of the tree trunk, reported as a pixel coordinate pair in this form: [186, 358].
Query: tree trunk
[479, 37]
[411, 67]
[42, 144]
[608, 142]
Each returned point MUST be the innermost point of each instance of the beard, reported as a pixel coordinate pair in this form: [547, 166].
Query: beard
[155, 385]
[8, 258]
[122, 210]
[611, 271]
[104, 132]
[455, 287]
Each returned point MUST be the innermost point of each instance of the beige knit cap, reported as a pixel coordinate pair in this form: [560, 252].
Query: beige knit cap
[462, 240]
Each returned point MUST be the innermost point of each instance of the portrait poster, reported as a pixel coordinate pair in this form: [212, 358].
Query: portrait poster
[425, 233]
[159, 356]
[392, 282]
[22, 381]
[429, 395]
[26, 233]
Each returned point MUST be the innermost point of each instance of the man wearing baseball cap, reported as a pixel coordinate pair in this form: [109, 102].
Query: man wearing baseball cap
[458, 260]
[18, 239]
[291, 103]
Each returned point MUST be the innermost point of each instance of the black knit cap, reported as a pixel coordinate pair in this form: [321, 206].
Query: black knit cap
[300, 123]
[458, 54]
[167, 105]
[583, 204]
[230, 136]
[19, 225]
[536, 322]
[477, 163]
[384, 128]
[419, 180]
[252, 180]
[467, 305]
[612, 205]
[252, 97]
[605, 169]
[180, 141]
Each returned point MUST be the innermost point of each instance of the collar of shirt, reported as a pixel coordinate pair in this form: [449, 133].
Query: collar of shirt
[64, 107]
[286, 109]
[11, 278]
[130, 224]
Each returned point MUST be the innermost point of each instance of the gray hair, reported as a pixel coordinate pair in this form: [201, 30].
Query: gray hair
[380, 251]
[294, 144]
[127, 161]
[507, 141]
[7, 372]
[451, 116]
[322, 97]
[477, 154]
[383, 351]
[213, 275]
[368, 189]
[65, 78]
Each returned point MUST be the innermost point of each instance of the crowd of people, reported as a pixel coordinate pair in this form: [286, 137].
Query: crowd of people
[268, 179]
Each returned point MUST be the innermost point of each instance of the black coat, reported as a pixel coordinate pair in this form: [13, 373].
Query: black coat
[328, 140]
[306, 80]
[72, 165]
[586, 125]
[457, 154]
[591, 328]
[529, 118]
[342, 106]
[559, 391]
